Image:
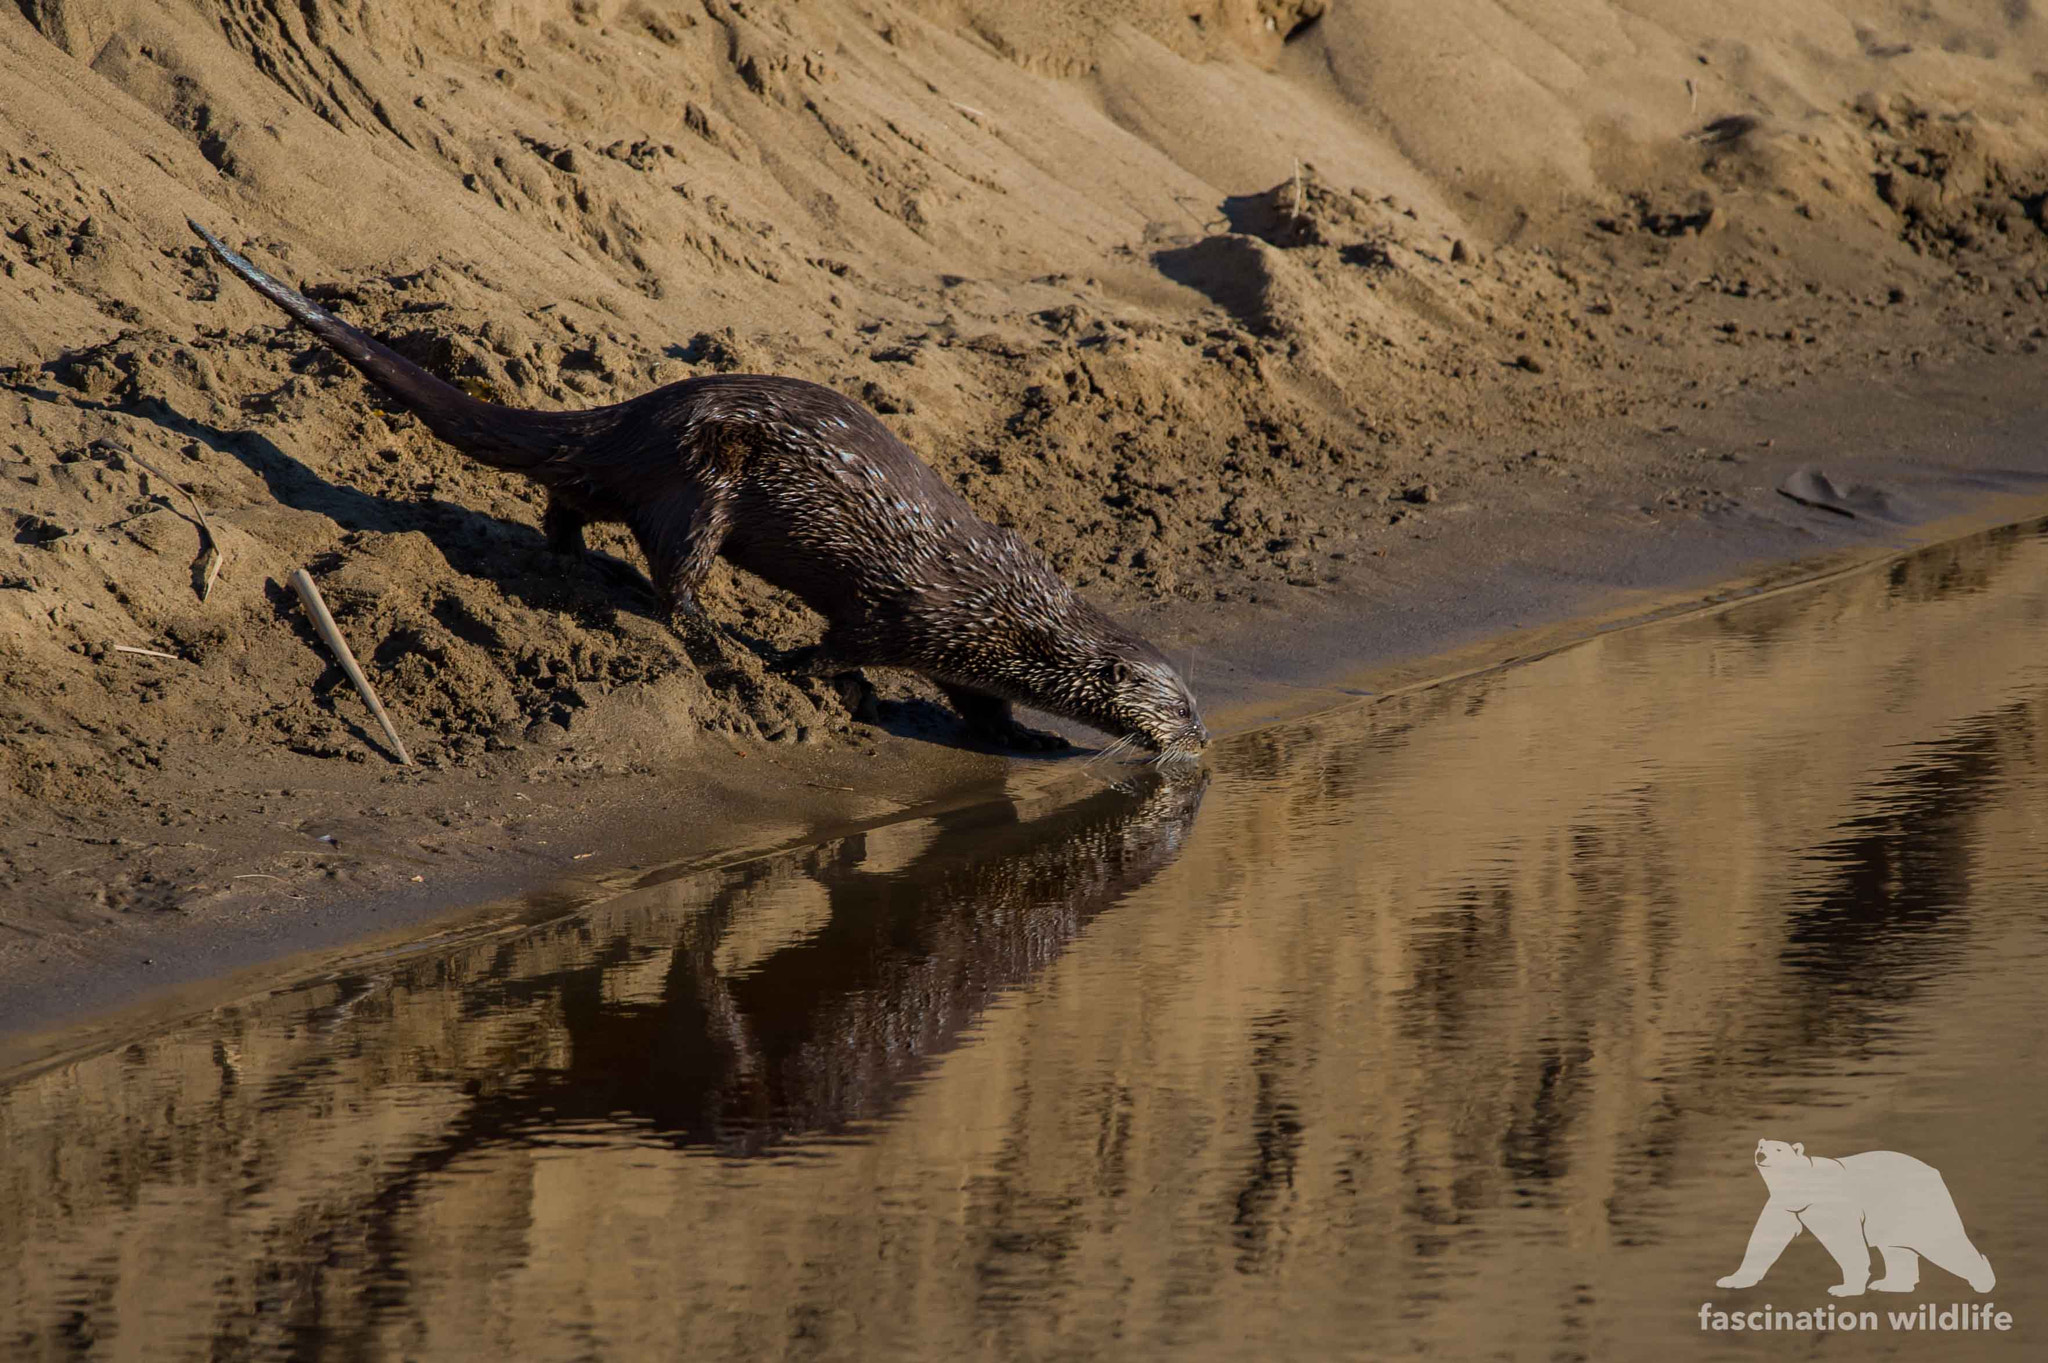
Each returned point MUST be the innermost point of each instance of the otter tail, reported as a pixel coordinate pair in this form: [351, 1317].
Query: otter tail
[507, 437]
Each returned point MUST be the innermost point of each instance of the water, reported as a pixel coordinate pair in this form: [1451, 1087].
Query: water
[1444, 1025]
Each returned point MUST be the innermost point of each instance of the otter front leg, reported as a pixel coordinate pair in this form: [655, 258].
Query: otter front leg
[1774, 1230]
[989, 718]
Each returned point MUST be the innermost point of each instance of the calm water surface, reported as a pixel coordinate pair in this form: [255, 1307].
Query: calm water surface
[1444, 1025]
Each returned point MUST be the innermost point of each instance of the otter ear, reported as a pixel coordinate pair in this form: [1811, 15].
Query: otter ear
[1117, 672]
[1798, 1147]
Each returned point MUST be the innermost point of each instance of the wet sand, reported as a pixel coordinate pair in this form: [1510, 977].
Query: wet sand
[1443, 1024]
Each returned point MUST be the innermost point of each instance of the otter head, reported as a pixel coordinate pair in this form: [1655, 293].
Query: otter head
[1134, 693]
[1083, 665]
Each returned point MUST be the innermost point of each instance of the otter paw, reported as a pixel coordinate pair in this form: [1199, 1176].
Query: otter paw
[808, 661]
[701, 638]
[857, 694]
[1735, 1280]
[609, 570]
[817, 678]
[1845, 1290]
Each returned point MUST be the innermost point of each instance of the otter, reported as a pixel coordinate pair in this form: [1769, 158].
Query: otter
[810, 492]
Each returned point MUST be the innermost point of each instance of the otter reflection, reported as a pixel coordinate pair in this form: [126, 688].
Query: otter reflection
[826, 1032]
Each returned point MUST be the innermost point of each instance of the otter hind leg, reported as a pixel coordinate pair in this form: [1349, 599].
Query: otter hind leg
[680, 534]
[563, 525]
[989, 718]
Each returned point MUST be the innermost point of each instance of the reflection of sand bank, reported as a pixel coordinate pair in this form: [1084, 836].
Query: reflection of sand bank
[1452, 1026]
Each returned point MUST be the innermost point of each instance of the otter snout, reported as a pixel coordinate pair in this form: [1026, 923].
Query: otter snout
[1187, 742]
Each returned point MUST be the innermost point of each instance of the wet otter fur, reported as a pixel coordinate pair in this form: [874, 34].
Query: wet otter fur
[808, 491]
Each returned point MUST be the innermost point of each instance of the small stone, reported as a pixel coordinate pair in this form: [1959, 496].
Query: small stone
[1422, 493]
[1459, 255]
[1529, 363]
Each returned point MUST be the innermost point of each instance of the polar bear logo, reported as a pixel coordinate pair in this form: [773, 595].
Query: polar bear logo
[1877, 1200]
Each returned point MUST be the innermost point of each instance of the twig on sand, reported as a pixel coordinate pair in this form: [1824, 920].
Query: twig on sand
[972, 112]
[1297, 217]
[210, 556]
[147, 652]
[330, 634]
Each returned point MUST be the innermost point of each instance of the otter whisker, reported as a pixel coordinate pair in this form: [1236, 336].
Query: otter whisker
[1114, 750]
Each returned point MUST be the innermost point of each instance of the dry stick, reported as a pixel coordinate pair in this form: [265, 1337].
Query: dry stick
[210, 556]
[302, 583]
[1295, 220]
[147, 652]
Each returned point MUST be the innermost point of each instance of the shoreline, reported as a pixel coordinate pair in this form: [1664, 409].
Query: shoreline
[1941, 453]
